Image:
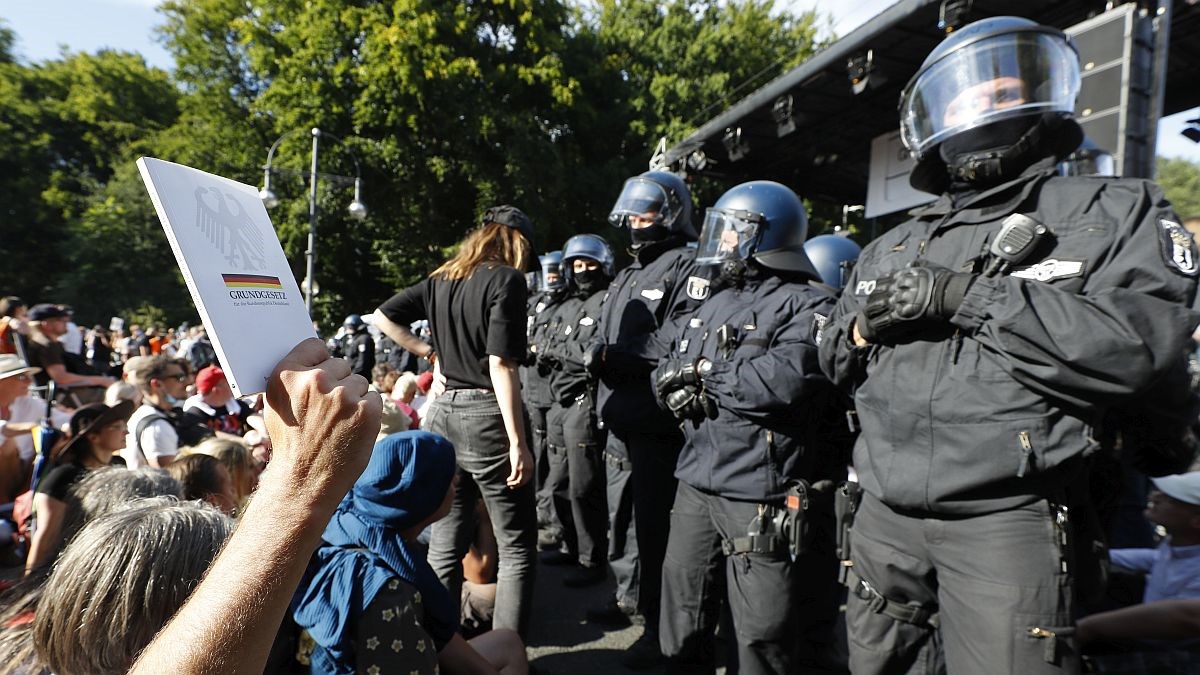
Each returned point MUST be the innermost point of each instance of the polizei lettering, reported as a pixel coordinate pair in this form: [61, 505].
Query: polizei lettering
[255, 294]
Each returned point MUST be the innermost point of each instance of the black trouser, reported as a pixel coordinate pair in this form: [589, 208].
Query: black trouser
[993, 578]
[652, 458]
[782, 610]
[575, 448]
[537, 427]
[622, 532]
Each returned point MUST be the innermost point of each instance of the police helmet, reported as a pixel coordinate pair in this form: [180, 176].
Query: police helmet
[590, 246]
[761, 221]
[983, 89]
[660, 195]
[833, 256]
[1088, 160]
[353, 322]
[552, 267]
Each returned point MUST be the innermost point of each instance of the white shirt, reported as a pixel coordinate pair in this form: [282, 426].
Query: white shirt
[158, 438]
[30, 409]
[72, 340]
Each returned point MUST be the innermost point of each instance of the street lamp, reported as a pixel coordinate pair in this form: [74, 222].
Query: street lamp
[357, 209]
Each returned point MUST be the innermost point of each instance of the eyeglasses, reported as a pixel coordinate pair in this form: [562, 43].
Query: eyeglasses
[178, 377]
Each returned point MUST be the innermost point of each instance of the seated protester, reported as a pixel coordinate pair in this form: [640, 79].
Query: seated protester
[370, 601]
[97, 433]
[47, 324]
[156, 431]
[119, 582]
[205, 479]
[215, 406]
[20, 414]
[237, 460]
[404, 393]
[99, 493]
[1172, 569]
[479, 577]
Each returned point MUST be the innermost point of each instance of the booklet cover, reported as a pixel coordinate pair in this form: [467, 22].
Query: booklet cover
[234, 267]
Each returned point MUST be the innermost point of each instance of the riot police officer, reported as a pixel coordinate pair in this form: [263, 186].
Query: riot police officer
[357, 346]
[574, 440]
[833, 256]
[982, 341]
[535, 389]
[744, 378]
[643, 440]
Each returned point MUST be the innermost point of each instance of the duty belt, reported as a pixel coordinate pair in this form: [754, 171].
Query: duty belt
[617, 462]
[914, 614]
[755, 543]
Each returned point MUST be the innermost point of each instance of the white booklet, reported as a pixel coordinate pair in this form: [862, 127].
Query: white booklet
[234, 267]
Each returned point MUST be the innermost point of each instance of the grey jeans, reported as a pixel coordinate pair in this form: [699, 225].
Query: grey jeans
[470, 419]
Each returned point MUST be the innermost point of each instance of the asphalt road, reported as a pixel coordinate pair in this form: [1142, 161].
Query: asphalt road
[562, 642]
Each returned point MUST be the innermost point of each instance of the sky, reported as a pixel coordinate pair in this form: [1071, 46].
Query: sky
[43, 26]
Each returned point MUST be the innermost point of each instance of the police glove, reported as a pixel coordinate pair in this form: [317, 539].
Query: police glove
[928, 292]
[593, 358]
[899, 302]
[547, 363]
[675, 374]
[691, 403]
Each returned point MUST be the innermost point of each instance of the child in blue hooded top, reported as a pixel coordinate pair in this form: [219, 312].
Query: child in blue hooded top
[370, 601]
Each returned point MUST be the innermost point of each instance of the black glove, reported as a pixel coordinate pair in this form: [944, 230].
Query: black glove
[593, 358]
[546, 363]
[691, 403]
[900, 303]
[675, 374]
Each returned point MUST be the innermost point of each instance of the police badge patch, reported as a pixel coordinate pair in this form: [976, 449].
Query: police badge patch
[1178, 247]
[818, 326]
[697, 288]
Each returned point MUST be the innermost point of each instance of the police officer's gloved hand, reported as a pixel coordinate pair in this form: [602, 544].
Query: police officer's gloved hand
[691, 403]
[900, 303]
[546, 363]
[924, 291]
[593, 358]
[675, 374]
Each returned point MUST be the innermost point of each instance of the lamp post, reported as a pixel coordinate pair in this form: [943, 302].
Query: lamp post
[357, 209]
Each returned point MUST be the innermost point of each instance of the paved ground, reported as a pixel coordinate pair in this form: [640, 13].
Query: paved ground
[562, 641]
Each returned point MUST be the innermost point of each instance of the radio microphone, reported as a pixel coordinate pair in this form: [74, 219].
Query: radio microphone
[1019, 235]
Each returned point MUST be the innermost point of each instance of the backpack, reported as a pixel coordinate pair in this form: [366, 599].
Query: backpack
[189, 433]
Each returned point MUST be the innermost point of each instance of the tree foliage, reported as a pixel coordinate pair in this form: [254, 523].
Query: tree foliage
[449, 108]
[1180, 180]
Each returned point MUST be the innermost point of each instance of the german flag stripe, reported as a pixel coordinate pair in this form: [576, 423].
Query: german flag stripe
[250, 278]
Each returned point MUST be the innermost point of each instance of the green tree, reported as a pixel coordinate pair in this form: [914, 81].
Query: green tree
[1180, 180]
[67, 125]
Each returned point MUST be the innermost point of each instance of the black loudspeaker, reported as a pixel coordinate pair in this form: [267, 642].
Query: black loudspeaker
[1116, 58]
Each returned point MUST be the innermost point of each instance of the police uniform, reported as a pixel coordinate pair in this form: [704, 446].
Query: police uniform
[644, 440]
[575, 442]
[535, 392]
[769, 395]
[972, 430]
[359, 349]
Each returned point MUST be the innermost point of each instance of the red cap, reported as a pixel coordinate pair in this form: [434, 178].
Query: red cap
[207, 378]
[424, 380]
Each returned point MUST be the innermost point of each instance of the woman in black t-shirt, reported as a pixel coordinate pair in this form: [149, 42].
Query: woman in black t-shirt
[475, 304]
[97, 433]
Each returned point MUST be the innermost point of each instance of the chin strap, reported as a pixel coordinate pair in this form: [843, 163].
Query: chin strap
[994, 166]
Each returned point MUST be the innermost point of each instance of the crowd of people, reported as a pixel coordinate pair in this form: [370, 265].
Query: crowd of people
[912, 457]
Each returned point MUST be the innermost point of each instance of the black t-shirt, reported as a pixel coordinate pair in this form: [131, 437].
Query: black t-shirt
[230, 420]
[44, 353]
[470, 318]
[57, 483]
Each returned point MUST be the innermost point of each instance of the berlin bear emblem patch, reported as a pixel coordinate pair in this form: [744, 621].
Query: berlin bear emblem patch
[1178, 247]
[697, 288]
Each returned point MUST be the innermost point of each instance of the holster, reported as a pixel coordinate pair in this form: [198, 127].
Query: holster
[846, 499]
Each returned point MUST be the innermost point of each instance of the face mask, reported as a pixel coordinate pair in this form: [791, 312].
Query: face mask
[171, 400]
[648, 235]
[733, 273]
[590, 281]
